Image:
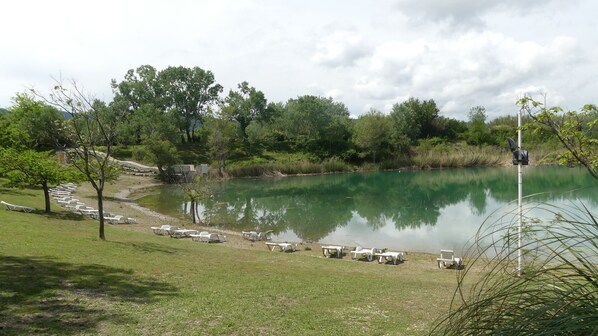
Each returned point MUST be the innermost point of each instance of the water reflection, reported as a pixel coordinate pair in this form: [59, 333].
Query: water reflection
[422, 211]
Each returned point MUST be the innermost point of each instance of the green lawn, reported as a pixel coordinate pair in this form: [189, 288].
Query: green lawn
[56, 277]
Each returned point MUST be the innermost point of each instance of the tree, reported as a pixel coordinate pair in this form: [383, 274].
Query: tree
[34, 124]
[414, 118]
[141, 88]
[372, 132]
[247, 105]
[162, 153]
[189, 94]
[31, 168]
[224, 139]
[93, 131]
[316, 125]
[477, 130]
[577, 131]
[195, 188]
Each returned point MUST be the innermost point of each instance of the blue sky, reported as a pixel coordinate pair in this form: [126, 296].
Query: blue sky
[366, 54]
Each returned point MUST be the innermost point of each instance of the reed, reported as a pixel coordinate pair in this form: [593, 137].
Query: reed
[557, 294]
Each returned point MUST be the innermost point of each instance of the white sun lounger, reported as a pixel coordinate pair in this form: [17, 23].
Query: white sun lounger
[361, 253]
[332, 250]
[182, 233]
[163, 230]
[448, 259]
[13, 207]
[282, 247]
[207, 237]
[394, 257]
[254, 235]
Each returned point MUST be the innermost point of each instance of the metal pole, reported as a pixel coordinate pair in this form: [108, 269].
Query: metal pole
[519, 196]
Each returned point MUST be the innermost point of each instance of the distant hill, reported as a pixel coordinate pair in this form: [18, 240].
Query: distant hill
[3, 110]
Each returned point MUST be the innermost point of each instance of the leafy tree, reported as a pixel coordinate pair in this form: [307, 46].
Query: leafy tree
[31, 168]
[141, 89]
[162, 153]
[414, 118]
[34, 124]
[224, 139]
[189, 93]
[372, 133]
[449, 128]
[576, 130]
[316, 125]
[477, 132]
[247, 105]
[196, 188]
[93, 127]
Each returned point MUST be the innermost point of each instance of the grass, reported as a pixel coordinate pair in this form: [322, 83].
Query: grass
[57, 278]
[556, 294]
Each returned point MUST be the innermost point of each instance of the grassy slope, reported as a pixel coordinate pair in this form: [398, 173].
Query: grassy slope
[56, 277]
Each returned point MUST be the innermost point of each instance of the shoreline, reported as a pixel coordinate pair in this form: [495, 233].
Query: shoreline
[148, 218]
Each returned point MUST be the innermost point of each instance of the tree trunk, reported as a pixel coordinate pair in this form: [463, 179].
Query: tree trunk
[46, 196]
[189, 139]
[101, 213]
[193, 211]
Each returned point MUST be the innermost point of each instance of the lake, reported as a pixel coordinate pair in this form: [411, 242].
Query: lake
[404, 210]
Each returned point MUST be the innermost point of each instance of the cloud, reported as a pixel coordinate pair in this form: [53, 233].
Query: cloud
[467, 13]
[470, 70]
[339, 49]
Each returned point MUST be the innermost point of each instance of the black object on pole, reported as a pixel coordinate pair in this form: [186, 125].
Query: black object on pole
[519, 155]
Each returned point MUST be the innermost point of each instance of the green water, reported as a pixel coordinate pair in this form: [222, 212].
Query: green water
[407, 210]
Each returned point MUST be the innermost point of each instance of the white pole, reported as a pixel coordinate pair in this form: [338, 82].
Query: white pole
[519, 196]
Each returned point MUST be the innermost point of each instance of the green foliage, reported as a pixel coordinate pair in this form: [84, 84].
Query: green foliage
[576, 131]
[224, 140]
[245, 106]
[162, 153]
[372, 134]
[33, 124]
[414, 119]
[316, 125]
[28, 168]
[189, 94]
[477, 133]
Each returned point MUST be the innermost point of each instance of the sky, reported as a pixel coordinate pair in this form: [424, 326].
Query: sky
[366, 54]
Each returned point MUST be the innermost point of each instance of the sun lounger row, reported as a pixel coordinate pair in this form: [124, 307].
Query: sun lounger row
[62, 194]
[195, 235]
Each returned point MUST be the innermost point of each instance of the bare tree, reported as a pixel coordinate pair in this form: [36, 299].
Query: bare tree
[92, 131]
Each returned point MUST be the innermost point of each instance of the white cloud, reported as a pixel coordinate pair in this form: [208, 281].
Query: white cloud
[461, 53]
[339, 49]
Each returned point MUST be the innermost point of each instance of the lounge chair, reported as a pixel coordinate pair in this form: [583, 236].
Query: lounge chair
[332, 250]
[447, 259]
[163, 230]
[282, 247]
[13, 207]
[361, 253]
[254, 235]
[394, 257]
[182, 233]
[207, 237]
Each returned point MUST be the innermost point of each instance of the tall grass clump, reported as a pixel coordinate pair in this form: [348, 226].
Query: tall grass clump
[557, 292]
[458, 157]
[335, 165]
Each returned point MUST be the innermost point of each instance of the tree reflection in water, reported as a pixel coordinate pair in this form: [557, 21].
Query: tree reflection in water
[315, 207]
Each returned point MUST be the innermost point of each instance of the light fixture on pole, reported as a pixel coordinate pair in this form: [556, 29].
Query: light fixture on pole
[520, 158]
